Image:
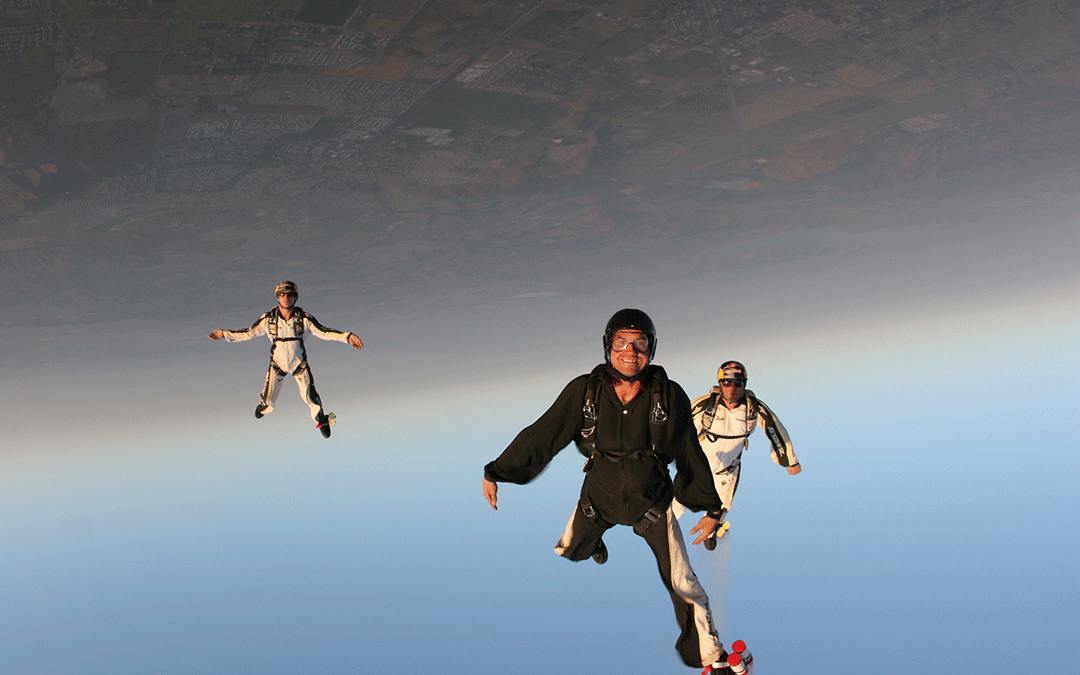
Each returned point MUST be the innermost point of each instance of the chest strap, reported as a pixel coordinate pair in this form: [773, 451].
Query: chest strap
[298, 326]
[586, 442]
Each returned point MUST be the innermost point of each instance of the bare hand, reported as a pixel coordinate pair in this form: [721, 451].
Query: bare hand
[216, 334]
[707, 527]
[794, 469]
[491, 491]
[355, 341]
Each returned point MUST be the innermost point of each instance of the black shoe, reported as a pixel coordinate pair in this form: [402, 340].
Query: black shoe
[600, 554]
[260, 410]
[710, 544]
[323, 423]
[720, 667]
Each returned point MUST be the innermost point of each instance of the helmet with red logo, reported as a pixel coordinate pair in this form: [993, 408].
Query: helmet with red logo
[286, 287]
[731, 370]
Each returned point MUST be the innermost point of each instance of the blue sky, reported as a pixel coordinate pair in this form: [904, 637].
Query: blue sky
[925, 373]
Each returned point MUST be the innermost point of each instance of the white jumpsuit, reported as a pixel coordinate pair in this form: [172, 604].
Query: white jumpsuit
[287, 353]
[723, 435]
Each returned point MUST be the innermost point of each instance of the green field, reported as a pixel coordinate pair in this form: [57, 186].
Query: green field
[483, 29]
[850, 105]
[461, 110]
[709, 103]
[810, 58]
[139, 64]
[232, 10]
[789, 128]
[578, 41]
[548, 25]
[687, 64]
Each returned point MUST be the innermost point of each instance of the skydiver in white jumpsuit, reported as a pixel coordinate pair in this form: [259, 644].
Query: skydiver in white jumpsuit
[724, 419]
[285, 326]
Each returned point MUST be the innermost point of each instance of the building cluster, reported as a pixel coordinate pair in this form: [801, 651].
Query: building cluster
[17, 39]
[298, 97]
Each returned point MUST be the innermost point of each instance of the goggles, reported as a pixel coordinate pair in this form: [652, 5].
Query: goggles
[732, 382]
[641, 344]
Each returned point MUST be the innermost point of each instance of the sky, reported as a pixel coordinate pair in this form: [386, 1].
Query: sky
[923, 367]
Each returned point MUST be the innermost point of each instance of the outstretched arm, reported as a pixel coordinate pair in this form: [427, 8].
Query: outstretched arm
[323, 333]
[257, 328]
[783, 452]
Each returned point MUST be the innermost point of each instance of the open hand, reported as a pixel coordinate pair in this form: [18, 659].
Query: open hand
[707, 527]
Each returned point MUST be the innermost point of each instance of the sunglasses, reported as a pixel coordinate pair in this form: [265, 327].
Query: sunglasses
[285, 294]
[730, 382]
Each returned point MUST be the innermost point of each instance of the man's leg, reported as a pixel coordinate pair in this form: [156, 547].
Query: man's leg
[677, 508]
[306, 381]
[698, 643]
[582, 537]
[271, 388]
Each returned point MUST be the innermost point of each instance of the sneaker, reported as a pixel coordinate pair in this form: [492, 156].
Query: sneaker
[260, 410]
[600, 554]
[322, 422]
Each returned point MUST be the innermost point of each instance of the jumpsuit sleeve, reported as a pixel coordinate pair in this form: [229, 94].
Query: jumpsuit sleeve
[783, 452]
[258, 328]
[694, 487]
[322, 332]
[537, 444]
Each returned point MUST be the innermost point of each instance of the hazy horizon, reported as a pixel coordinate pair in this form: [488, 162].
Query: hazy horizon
[161, 528]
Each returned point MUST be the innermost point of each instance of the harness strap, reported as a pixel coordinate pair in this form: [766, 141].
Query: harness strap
[715, 437]
[709, 415]
[298, 324]
[650, 517]
[658, 418]
[654, 514]
[710, 412]
[587, 444]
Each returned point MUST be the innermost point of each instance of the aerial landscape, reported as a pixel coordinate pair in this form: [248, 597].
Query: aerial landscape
[871, 203]
[404, 130]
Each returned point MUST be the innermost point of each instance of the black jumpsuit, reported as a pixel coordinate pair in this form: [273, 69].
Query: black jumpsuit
[625, 481]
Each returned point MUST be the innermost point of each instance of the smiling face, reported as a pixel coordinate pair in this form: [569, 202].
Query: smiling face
[629, 352]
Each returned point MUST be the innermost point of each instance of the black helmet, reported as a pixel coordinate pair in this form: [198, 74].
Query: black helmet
[629, 319]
